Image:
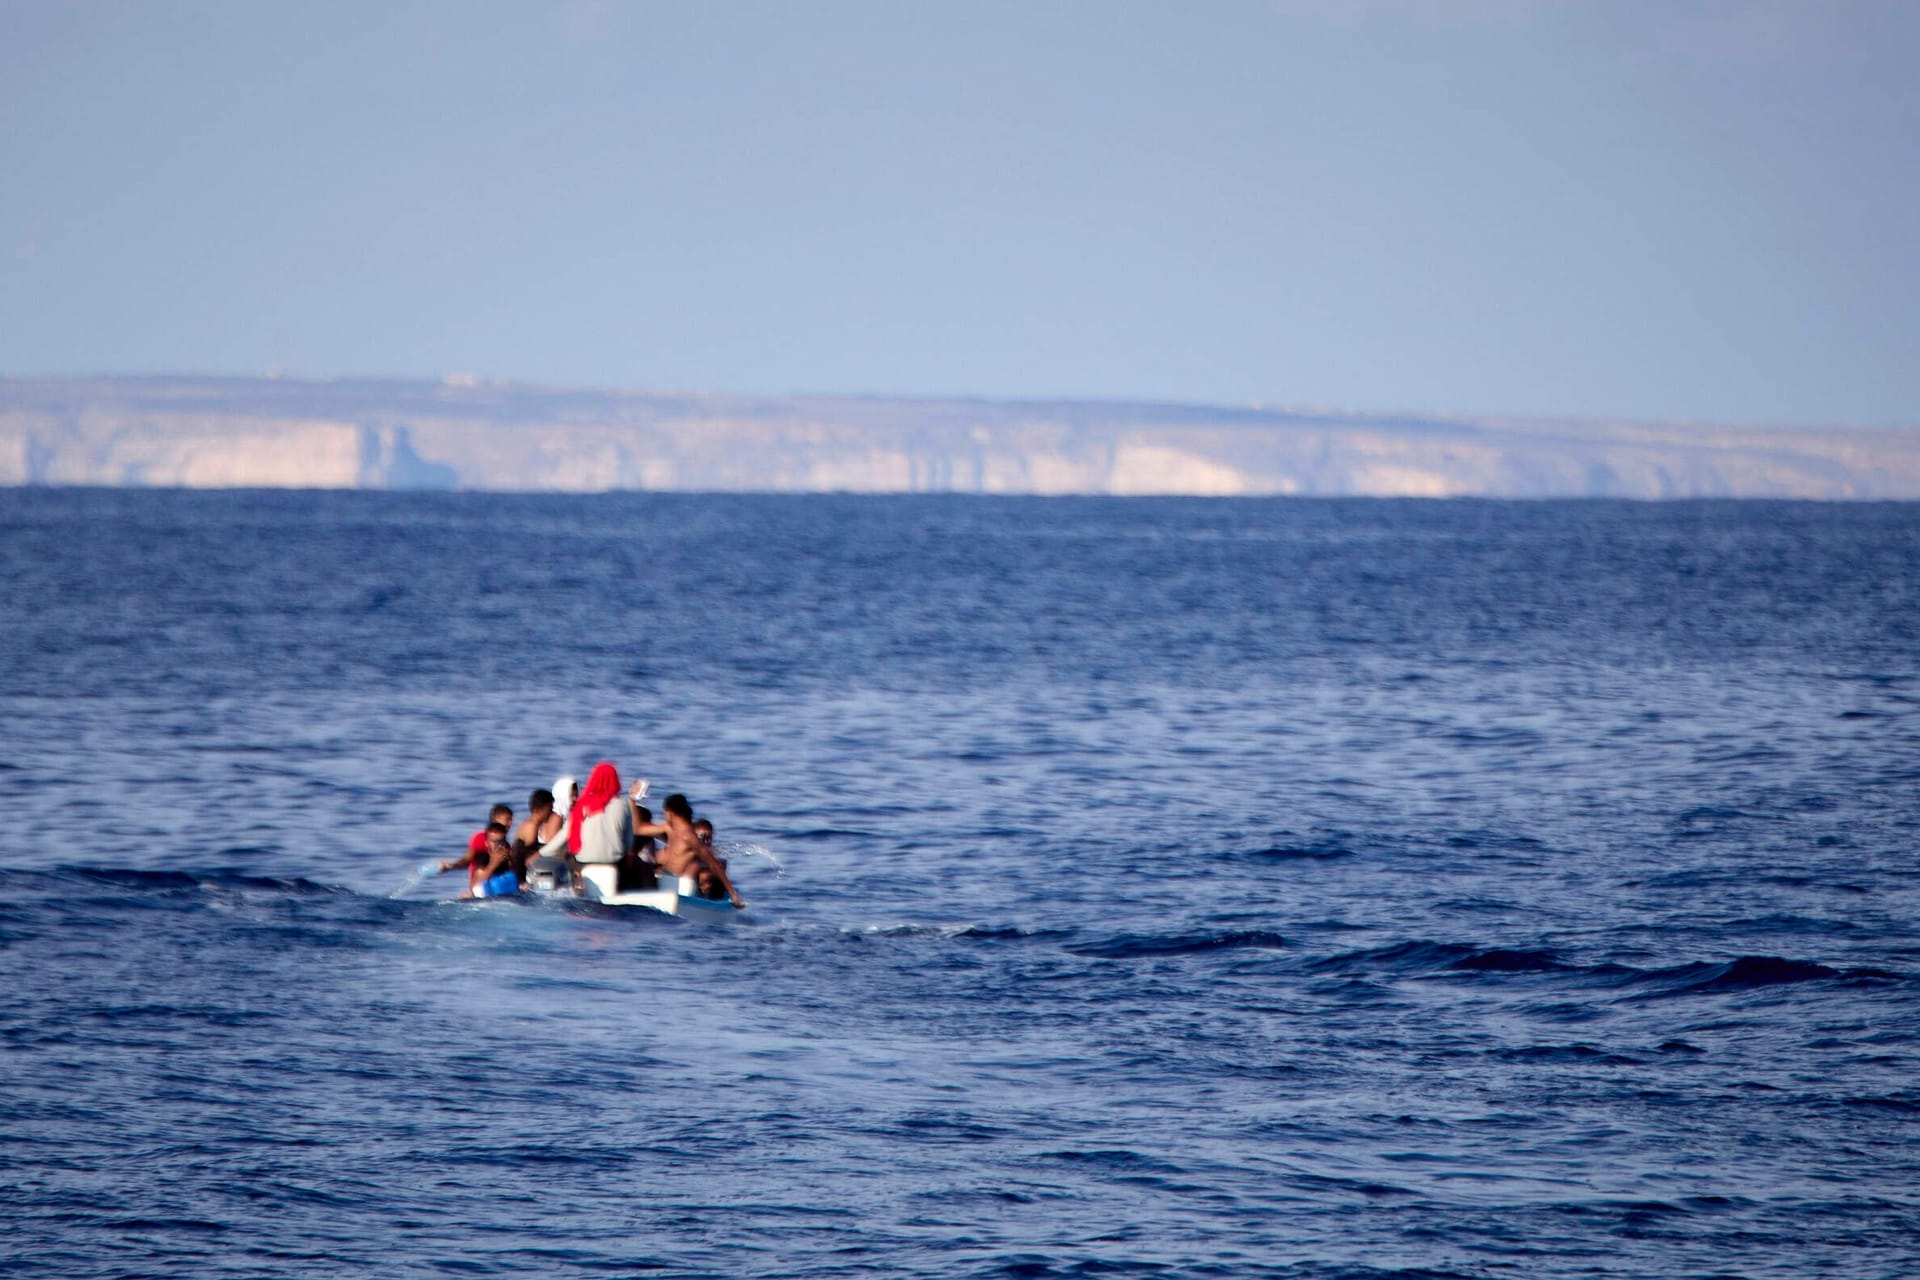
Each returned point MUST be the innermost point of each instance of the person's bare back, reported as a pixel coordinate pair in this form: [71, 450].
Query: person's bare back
[685, 855]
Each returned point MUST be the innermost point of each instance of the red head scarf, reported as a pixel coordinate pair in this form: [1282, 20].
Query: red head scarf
[603, 786]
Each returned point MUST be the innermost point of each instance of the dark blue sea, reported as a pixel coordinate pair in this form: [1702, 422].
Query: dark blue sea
[1300, 889]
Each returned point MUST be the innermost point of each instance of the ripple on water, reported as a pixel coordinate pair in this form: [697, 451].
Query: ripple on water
[1305, 890]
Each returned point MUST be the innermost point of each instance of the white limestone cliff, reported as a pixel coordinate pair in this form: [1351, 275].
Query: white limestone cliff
[213, 433]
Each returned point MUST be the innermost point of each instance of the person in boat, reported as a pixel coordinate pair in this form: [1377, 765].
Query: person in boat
[600, 823]
[545, 862]
[704, 829]
[474, 859]
[543, 825]
[496, 875]
[637, 869]
[644, 847]
[684, 855]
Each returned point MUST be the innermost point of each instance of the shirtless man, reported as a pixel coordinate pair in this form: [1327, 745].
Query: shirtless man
[685, 855]
[542, 825]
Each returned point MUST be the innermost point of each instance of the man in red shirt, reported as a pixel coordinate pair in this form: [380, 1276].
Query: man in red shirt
[475, 859]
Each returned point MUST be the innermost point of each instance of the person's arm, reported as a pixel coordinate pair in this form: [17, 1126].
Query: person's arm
[454, 864]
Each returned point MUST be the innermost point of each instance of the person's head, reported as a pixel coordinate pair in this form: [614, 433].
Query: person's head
[676, 806]
[502, 814]
[497, 835]
[603, 786]
[540, 803]
[645, 815]
[704, 830]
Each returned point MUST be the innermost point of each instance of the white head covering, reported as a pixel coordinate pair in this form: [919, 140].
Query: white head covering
[563, 793]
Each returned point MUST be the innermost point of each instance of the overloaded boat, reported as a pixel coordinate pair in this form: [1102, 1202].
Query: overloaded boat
[600, 854]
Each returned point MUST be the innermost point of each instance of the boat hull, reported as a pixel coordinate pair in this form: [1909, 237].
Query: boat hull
[672, 895]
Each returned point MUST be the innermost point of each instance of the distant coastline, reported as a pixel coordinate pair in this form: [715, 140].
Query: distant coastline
[460, 433]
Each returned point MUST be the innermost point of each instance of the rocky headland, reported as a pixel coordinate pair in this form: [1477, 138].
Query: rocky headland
[466, 434]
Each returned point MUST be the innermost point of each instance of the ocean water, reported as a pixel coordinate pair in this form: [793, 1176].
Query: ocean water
[1299, 889]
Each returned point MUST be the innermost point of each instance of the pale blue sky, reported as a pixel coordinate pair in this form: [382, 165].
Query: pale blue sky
[1670, 208]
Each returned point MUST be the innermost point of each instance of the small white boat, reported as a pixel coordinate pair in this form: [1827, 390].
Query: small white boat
[599, 882]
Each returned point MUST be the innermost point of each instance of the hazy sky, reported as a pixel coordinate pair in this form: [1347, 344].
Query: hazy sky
[1675, 208]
